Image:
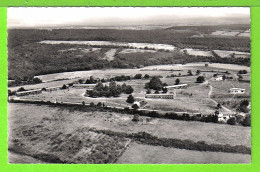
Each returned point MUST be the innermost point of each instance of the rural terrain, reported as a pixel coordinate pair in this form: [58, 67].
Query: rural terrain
[55, 117]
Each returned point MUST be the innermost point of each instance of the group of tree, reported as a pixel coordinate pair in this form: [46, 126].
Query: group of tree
[25, 81]
[242, 72]
[113, 90]
[155, 83]
[243, 106]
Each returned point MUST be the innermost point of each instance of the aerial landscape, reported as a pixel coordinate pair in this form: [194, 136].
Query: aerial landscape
[129, 86]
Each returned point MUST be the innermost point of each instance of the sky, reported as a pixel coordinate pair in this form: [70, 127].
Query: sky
[95, 16]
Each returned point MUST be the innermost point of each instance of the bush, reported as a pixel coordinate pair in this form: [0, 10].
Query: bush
[231, 121]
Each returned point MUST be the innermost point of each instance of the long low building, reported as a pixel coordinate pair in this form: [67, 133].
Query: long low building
[237, 90]
[180, 86]
[24, 93]
[86, 86]
[49, 89]
[160, 96]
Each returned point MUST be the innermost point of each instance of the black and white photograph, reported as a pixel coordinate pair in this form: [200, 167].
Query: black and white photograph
[129, 85]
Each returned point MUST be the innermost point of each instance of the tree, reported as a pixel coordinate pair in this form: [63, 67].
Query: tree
[218, 106]
[21, 89]
[200, 79]
[130, 99]
[177, 81]
[198, 72]
[231, 121]
[64, 87]
[190, 72]
[37, 80]
[247, 120]
[99, 104]
[155, 83]
[129, 89]
[224, 77]
[244, 103]
[146, 76]
[80, 81]
[206, 65]
[243, 106]
[92, 104]
[138, 76]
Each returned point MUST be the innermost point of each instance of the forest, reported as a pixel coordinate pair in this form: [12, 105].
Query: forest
[27, 58]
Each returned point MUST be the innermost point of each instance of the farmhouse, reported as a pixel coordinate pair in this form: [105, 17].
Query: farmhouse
[160, 96]
[86, 86]
[180, 86]
[24, 93]
[218, 78]
[224, 117]
[237, 90]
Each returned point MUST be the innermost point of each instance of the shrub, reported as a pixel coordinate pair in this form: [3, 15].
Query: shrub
[231, 121]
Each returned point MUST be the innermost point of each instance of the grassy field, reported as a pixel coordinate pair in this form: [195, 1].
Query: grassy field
[50, 135]
[21, 117]
[195, 96]
[147, 154]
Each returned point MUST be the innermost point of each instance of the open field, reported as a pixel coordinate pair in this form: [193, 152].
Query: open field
[146, 70]
[24, 116]
[15, 158]
[148, 154]
[196, 95]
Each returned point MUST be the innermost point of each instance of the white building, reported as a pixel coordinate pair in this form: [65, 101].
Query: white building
[237, 90]
[180, 86]
[218, 78]
[224, 117]
[160, 96]
[86, 86]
